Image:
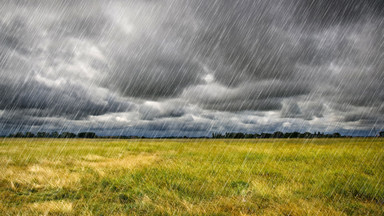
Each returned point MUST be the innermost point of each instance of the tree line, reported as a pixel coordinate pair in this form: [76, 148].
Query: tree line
[239, 135]
[277, 134]
[54, 135]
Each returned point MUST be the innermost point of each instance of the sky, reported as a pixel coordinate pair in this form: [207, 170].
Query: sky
[192, 67]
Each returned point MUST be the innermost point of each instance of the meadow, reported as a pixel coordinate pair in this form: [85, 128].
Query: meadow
[192, 177]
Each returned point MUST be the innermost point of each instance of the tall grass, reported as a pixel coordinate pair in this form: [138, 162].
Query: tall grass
[192, 177]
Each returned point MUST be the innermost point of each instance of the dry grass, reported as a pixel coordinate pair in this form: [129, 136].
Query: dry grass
[54, 174]
[128, 162]
[52, 207]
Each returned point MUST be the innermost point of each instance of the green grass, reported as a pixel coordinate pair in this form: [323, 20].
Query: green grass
[192, 177]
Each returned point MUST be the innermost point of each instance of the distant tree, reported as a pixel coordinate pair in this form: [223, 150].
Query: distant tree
[29, 134]
[278, 134]
[86, 135]
[230, 135]
[381, 133]
[317, 135]
[67, 135]
[287, 135]
[295, 135]
[239, 136]
[265, 135]
[336, 135]
[54, 134]
[307, 135]
[42, 134]
[217, 135]
[250, 136]
[19, 134]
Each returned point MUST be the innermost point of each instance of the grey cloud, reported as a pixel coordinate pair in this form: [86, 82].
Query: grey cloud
[162, 110]
[300, 59]
[245, 41]
[72, 102]
[15, 42]
[274, 54]
[264, 95]
[239, 105]
[307, 110]
[328, 12]
[82, 26]
[291, 110]
[153, 76]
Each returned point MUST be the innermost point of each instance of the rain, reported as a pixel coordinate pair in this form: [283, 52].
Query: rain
[192, 68]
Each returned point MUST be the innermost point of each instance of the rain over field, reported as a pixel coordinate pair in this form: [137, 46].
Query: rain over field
[191, 107]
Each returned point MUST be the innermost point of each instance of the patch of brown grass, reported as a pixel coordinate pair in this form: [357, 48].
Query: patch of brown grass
[55, 174]
[41, 176]
[103, 164]
[49, 207]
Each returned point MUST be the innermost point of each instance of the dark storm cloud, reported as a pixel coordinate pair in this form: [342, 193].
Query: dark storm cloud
[263, 95]
[28, 54]
[327, 12]
[306, 111]
[153, 76]
[72, 102]
[242, 41]
[153, 65]
[91, 26]
[265, 39]
[148, 112]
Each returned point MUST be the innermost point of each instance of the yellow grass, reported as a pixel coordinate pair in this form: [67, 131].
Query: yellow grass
[52, 207]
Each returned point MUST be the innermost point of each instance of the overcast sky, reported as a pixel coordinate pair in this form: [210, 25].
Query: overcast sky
[191, 67]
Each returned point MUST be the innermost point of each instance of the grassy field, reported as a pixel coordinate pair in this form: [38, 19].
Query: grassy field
[192, 177]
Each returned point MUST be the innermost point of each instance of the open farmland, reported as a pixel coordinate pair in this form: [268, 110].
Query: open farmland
[192, 177]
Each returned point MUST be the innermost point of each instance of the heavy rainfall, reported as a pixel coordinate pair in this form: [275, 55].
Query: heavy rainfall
[190, 69]
[175, 68]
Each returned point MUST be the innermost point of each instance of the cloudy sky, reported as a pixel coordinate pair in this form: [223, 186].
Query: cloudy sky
[191, 67]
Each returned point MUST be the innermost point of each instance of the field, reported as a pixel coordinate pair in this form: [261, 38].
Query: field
[192, 177]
